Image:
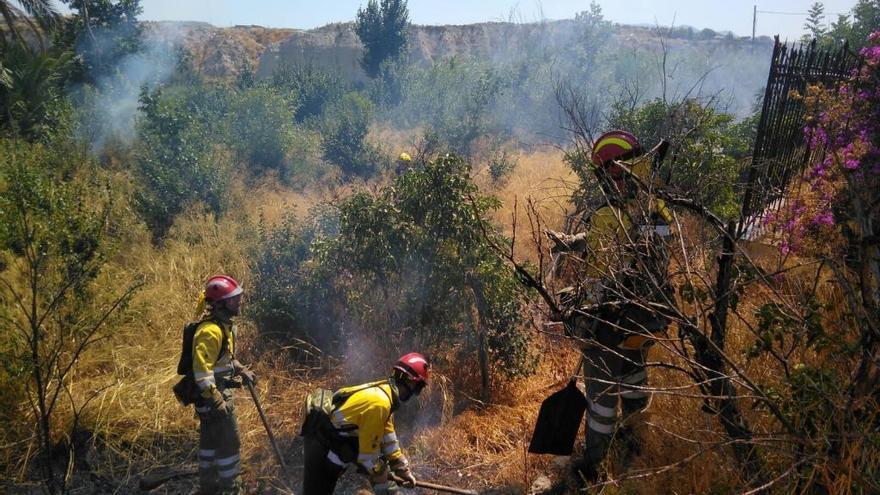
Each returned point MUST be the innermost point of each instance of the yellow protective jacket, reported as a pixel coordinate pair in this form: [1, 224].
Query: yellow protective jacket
[368, 414]
[209, 367]
[609, 228]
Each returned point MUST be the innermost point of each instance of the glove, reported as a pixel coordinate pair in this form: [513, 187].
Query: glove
[387, 488]
[401, 470]
[380, 482]
[247, 375]
[219, 407]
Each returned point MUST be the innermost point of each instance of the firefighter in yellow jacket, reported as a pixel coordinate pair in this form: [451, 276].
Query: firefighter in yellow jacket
[626, 267]
[362, 424]
[214, 366]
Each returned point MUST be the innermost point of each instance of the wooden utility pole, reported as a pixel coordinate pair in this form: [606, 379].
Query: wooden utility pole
[754, 21]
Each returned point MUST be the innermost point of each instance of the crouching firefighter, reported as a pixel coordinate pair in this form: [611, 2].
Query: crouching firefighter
[356, 425]
[616, 306]
[208, 364]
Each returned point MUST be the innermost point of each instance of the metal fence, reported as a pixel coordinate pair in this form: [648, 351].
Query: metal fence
[780, 149]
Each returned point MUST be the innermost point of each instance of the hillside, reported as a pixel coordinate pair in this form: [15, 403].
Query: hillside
[222, 52]
[511, 207]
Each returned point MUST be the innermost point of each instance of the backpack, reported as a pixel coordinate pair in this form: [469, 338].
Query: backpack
[186, 390]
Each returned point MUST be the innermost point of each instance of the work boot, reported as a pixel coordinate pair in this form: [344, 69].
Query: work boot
[233, 488]
[629, 443]
[585, 472]
[208, 489]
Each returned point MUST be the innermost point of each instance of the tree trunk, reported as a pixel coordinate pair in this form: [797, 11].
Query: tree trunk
[482, 343]
[721, 388]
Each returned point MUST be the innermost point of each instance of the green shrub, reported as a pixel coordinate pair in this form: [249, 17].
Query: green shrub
[261, 129]
[396, 267]
[451, 98]
[313, 88]
[345, 129]
[176, 158]
[32, 102]
[708, 147]
[54, 244]
[382, 28]
[501, 166]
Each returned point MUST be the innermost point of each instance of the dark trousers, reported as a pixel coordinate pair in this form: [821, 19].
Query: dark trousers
[612, 376]
[219, 452]
[319, 473]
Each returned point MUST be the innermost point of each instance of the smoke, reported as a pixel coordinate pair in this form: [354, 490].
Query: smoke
[109, 104]
[524, 64]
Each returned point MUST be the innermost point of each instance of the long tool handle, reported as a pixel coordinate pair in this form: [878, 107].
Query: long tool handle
[439, 488]
[443, 488]
[250, 387]
[153, 481]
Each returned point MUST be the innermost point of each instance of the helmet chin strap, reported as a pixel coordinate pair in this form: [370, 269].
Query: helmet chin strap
[404, 384]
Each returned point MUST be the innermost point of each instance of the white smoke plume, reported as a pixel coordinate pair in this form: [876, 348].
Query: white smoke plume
[108, 107]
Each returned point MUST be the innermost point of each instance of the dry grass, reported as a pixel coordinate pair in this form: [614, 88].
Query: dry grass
[140, 427]
[540, 178]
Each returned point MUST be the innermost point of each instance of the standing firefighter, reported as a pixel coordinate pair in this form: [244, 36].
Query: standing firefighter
[210, 346]
[404, 163]
[356, 424]
[626, 281]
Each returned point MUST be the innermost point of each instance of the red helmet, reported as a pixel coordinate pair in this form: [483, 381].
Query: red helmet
[615, 145]
[415, 366]
[220, 287]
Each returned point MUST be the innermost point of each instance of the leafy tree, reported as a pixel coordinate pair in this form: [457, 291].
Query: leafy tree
[593, 32]
[866, 18]
[175, 157]
[815, 23]
[452, 99]
[261, 129]
[856, 27]
[32, 102]
[407, 265]
[38, 15]
[345, 129]
[54, 244]
[103, 33]
[314, 88]
[382, 28]
[707, 34]
[707, 146]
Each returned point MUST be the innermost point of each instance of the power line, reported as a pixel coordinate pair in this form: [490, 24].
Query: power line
[774, 12]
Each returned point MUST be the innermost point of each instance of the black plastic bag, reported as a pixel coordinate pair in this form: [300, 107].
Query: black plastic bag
[558, 421]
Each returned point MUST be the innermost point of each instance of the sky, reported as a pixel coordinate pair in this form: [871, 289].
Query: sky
[720, 15]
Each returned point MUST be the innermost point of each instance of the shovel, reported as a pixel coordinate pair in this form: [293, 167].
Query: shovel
[559, 419]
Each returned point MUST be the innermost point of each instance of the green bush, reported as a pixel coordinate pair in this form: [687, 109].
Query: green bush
[396, 267]
[55, 222]
[176, 159]
[261, 129]
[32, 102]
[313, 88]
[345, 129]
[382, 28]
[708, 147]
[501, 166]
[452, 98]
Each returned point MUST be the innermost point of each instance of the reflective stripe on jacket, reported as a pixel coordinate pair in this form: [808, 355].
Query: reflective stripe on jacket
[368, 415]
[209, 367]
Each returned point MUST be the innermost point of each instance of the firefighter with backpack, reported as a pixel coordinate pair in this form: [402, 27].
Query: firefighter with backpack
[614, 308]
[356, 425]
[208, 364]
